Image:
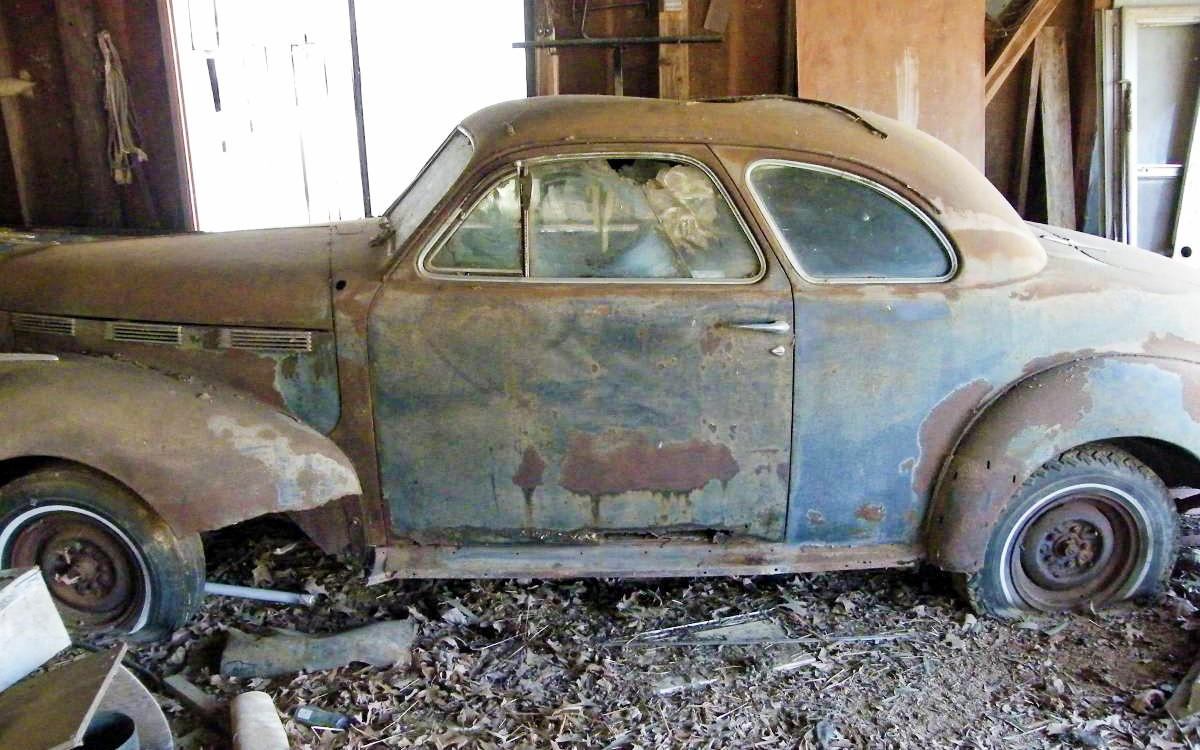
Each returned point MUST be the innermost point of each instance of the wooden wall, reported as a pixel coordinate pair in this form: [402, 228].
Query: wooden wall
[61, 138]
[919, 61]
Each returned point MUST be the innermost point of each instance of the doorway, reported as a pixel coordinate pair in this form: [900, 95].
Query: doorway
[268, 99]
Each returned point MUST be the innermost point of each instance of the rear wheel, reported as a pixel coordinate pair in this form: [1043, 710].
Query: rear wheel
[1093, 527]
[111, 564]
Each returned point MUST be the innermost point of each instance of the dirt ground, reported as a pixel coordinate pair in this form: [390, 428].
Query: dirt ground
[533, 664]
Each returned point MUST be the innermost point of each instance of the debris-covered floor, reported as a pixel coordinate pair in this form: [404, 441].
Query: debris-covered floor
[523, 664]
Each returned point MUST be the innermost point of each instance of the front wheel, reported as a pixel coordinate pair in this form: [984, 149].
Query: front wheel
[1093, 527]
[111, 564]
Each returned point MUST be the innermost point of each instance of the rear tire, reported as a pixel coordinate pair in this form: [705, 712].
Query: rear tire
[1093, 527]
[112, 565]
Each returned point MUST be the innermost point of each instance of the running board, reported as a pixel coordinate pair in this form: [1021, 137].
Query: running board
[648, 559]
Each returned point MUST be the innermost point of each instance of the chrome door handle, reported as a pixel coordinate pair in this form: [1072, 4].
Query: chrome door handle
[775, 326]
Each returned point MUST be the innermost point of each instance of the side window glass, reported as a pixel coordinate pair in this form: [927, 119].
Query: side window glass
[488, 240]
[633, 219]
[837, 227]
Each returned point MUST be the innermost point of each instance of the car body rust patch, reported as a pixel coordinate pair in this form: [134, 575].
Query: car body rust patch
[941, 428]
[870, 513]
[529, 473]
[630, 462]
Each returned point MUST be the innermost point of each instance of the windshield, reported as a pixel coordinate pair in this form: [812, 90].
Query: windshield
[415, 203]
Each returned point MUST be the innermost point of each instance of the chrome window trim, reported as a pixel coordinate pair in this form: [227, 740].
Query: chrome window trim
[947, 245]
[442, 234]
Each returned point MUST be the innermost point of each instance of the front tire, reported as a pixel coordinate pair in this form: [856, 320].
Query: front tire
[1093, 527]
[112, 565]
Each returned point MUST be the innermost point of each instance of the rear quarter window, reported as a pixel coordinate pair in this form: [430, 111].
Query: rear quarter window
[839, 227]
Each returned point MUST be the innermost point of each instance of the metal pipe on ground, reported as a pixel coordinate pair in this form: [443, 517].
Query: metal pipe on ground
[262, 595]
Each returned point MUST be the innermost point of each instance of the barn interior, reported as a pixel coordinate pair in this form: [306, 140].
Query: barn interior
[123, 120]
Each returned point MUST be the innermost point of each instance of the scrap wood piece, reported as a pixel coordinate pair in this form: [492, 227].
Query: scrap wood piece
[191, 695]
[53, 709]
[380, 644]
[1017, 45]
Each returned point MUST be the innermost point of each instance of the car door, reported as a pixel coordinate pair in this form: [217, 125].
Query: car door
[595, 346]
[883, 384]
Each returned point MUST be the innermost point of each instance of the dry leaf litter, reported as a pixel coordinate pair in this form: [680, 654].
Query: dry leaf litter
[878, 659]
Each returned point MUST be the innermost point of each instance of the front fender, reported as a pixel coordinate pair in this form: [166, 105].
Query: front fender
[203, 456]
[1051, 412]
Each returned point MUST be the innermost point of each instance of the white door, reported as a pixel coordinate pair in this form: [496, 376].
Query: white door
[269, 111]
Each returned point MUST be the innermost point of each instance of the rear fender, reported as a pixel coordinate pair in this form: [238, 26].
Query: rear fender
[1085, 401]
[203, 456]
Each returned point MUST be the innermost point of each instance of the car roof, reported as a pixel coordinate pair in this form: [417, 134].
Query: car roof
[786, 123]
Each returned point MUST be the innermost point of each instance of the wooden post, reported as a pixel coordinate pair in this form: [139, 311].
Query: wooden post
[85, 80]
[14, 126]
[545, 59]
[674, 81]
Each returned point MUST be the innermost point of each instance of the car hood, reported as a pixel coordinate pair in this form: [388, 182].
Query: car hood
[274, 277]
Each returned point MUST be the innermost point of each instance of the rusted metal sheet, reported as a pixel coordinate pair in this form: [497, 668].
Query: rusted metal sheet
[1076, 403]
[661, 558]
[357, 268]
[513, 410]
[202, 455]
[303, 381]
[276, 277]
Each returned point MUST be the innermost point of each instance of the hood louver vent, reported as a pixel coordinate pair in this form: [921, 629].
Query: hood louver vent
[52, 325]
[266, 340]
[144, 333]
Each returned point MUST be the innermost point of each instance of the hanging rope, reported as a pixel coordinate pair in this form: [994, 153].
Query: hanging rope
[121, 129]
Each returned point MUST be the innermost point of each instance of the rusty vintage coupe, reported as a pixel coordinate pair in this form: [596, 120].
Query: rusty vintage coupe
[613, 337]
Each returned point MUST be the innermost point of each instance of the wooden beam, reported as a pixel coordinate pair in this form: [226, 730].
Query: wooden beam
[14, 126]
[1017, 45]
[1050, 51]
[81, 60]
[674, 80]
[1025, 143]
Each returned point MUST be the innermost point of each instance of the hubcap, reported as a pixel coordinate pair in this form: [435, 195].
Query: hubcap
[89, 570]
[1079, 547]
